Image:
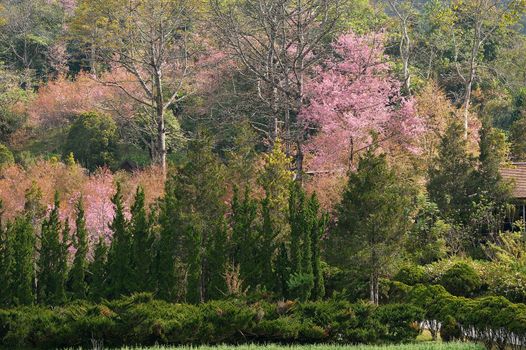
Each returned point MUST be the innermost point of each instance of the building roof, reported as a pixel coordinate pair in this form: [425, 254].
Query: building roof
[516, 173]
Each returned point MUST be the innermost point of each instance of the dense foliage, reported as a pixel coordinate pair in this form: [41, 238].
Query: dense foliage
[142, 320]
[264, 151]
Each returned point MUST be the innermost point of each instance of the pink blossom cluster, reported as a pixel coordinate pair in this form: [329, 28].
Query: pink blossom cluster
[353, 95]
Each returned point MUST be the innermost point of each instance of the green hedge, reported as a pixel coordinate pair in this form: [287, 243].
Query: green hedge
[140, 320]
[493, 320]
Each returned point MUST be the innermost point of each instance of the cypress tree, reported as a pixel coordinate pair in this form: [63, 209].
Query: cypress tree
[298, 227]
[302, 218]
[141, 243]
[97, 272]
[217, 259]
[166, 247]
[282, 271]
[373, 218]
[22, 272]
[120, 272]
[275, 179]
[491, 192]
[65, 244]
[244, 241]
[450, 175]
[51, 270]
[317, 230]
[199, 188]
[266, 249]
[77, 275]
[6, 256]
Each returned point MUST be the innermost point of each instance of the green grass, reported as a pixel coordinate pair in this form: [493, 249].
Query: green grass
[414, 346]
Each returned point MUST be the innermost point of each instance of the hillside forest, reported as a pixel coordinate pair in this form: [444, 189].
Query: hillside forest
[270, 150]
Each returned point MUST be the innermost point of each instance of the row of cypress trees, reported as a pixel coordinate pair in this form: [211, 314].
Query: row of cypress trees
[190, 246]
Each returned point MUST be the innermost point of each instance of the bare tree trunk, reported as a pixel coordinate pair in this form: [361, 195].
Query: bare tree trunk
[159, 110]
[469, 82]
[299, 162]
[405, 47]
[162, 140]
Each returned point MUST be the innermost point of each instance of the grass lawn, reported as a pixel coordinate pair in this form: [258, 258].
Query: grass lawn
[414, 346]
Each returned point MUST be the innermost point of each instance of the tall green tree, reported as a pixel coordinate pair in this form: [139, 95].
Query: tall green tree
[491, 192]
[373, 217]
[141, 243]
[51, 274]
[120, 272]
[450, 174]
[77, 275]
[97, 271]
[307, 226]
[275, 179]
[6, 256]
[316, 233]
[244, 240]
[298, 227]
[301, 221]
[22, 271]
[167, 247]
[193, 221]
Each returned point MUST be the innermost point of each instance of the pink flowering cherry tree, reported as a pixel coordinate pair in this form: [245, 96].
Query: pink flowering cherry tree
[352, 96]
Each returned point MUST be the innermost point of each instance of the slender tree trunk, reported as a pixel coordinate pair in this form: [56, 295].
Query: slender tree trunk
[299, 162]
[159, 111]
[161, 129]
[373, 279]
[471, 77]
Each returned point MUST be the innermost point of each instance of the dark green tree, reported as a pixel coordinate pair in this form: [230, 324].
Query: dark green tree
[217, 262]
[301, 220]
[51, 273]
[22, 270]
[166, 247]
[77, 275]
[266, 247]
[282, 271]
[120, 279]
[244, 240]
[318, 228]
[192, 227]
[275, 180]
[199, 186]
[449, 176]
[141, 243]
[97, 272]
[298, 227]
[6, 262]
[491, 193]
[373, 217]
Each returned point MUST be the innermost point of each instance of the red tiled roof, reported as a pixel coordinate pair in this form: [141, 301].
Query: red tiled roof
[516, 173]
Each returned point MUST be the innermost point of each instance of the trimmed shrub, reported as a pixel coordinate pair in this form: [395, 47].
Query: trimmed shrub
[461, 280]
[411, 275]
[140, 320]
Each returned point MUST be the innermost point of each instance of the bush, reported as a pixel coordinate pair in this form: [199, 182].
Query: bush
[6, 157]
[92, 139]
[461, 280]
[411, 275]
[140, 320]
